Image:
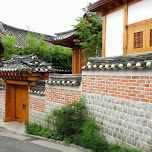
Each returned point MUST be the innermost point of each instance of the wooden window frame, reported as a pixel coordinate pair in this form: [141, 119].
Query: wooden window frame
[149, 27]
[150, 37]
[144, 26]
[138, 39]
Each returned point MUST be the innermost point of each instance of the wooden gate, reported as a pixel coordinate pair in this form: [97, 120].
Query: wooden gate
[19, 74]
[16, 103]
[21, 103]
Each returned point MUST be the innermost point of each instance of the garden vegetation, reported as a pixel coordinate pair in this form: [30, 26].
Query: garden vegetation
[70, 123]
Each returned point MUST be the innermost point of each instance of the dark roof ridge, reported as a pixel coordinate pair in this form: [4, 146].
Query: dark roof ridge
[65, 32]
[23, 30]
[132, 61]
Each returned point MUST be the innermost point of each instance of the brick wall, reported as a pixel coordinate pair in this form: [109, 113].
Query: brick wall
[37, 104]
[122, 101]
[63, 96]
[138, 88]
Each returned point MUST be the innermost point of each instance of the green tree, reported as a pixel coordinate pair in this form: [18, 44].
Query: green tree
[89, 30]
[9, 46]
[36, 44]
[61, 57]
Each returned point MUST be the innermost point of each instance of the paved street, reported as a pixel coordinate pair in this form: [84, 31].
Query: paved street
[8, 144]
[12, 142]
[14, 139]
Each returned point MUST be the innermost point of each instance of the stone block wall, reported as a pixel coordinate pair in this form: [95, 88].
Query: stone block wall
[2, 104]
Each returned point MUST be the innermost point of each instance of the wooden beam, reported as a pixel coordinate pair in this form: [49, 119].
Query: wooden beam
[125, 29]
[17, 82]
[33, 78]
[103, 36]
[118, 2]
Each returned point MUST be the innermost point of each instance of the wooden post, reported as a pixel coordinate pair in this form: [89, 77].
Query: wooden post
[125, 29]
[103, 36]
[73, 62]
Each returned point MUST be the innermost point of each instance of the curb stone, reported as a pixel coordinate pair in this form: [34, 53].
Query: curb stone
[58, 142]
[3, 129]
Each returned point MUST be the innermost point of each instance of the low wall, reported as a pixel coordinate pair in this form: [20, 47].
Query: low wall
[58, 91]
[122, 101]
[2, 104]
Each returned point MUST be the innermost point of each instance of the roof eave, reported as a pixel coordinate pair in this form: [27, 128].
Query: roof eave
[95, 6]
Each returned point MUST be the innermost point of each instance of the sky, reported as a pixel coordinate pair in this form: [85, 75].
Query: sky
[43, 16]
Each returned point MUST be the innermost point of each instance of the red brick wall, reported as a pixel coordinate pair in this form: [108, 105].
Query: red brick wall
[137, 88]
[2, 94]
[37, 104]
[63, 96]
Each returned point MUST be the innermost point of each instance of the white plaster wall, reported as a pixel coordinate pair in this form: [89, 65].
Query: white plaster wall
[66, 87]
[126, 72]
[140, 11]
[114, 34]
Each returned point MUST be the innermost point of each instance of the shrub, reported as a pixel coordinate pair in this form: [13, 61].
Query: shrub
[72, 125]
[118, 148]
[36, 129]
[68, 119]
[33, 129]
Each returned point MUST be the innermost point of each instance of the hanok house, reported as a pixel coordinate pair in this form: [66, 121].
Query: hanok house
[21, 74]
[127, 26]
[66, 39]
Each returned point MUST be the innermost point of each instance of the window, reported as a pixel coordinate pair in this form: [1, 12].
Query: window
[140, 37]
[138, 40]
[150, 37]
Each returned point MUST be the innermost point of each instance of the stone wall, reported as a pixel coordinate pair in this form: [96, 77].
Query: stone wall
[2, 104]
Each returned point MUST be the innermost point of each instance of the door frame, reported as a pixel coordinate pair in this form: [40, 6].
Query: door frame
[10, 99]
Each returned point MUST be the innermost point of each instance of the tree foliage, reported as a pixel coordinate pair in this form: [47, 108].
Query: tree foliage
[9, 46]
[61, 57]
[36, 44]
[89, 30]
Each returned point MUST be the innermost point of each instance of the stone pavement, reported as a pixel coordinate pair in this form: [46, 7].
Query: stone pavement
[17, 131]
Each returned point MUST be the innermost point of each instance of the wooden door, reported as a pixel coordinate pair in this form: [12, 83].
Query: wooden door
[21, 103]
[9, 102]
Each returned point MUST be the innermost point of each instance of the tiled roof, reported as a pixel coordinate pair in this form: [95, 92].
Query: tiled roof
[134, 61]
[64, 35]
[25, 64]
[65, 79]
[39, 88]
[20, 34]
[102, 4]
[98, 4]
